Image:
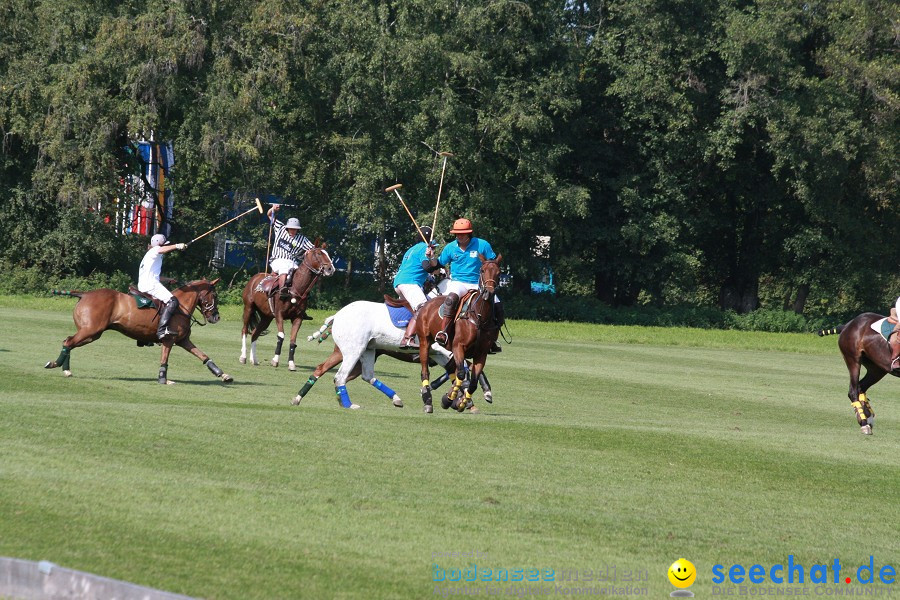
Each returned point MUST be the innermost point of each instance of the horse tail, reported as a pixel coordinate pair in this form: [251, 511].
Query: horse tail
[831, 330]
[73, 293]
[324, 331]
[255, 317]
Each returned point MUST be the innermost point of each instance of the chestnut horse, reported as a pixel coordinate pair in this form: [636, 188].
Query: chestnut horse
[260, 308]
[862, 346]
[99, 310]
[473, 334]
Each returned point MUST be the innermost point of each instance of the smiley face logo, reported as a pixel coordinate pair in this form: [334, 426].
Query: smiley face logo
[682, 573]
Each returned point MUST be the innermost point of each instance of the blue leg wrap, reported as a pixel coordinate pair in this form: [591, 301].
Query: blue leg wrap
[343, 396]
[384, 389]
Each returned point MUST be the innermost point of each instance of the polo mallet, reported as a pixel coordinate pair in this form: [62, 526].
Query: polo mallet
[269, 244]
[394, 189]
[243, 214]
[440, 186]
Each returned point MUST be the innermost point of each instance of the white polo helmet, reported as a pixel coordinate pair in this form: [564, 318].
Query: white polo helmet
[292, 223]
[157, 240]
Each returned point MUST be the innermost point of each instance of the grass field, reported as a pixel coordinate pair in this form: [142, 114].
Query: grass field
[605, 447]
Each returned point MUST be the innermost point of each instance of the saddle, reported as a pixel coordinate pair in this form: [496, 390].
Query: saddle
[143, 300]
[397, 302]
[268, 285]
[886, 325]
[462, 307]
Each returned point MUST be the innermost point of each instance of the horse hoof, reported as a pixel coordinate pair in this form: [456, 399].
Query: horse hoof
[51, 364]
[489, 397]
[292, 366]
[474, 410]
[445, 401]
[69, 374]
[226, 378]
[354, 407]
[274, 363]
[255, 363]
[429, 409]
[243, 360]
[866, 430]
[296, 400]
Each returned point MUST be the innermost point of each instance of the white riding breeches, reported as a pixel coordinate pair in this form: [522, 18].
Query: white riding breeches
[412, 293]
[459, 288]
[157, 290]
[282, 265]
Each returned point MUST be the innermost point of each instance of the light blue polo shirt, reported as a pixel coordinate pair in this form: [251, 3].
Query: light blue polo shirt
[465, 266]
[411, 270]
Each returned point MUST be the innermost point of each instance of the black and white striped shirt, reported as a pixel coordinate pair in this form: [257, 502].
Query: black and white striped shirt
[286, 246]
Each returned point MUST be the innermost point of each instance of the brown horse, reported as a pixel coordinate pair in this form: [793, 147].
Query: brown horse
[475, 330]
[862, 346]
[99, 310]
[261, 309]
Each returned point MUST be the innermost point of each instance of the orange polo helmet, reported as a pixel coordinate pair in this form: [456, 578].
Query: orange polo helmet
[462, 226]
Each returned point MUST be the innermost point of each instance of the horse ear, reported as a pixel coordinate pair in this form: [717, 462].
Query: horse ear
[215, 281]
[318, 242]
[499, 258]
[481, 257]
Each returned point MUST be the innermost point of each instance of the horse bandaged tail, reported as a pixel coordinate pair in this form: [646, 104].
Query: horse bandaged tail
[884, 327]
[324, 331]
[400, 315]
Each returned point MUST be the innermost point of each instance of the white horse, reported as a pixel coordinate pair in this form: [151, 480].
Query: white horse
[360, 330]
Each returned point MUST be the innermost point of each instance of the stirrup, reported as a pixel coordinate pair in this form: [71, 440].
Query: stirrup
[409, 342]
[894, 364]
[161, 335]
[441, 338]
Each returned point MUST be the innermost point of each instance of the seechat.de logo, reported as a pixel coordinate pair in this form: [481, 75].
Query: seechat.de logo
[794, 572]
[682, 574]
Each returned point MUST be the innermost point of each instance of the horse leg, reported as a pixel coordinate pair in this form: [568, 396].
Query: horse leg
[81, 338]
[426, 385]
[340, 382]
[263, 324]
[215, 370]
[853, 366]
[334, 359]
[865, 415]
[367, 364]
[164, 364]
[452, 398]
[279, 324]
[295, 327]
[486, 388]
[474, 376]
[248, 312]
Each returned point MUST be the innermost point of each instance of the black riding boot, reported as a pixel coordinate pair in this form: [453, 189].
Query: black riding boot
[286, 289]
[500, 320]
[448, 310]
[167, 312]
[409, 334]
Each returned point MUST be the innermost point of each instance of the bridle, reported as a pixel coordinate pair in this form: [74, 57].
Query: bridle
[316, 273]
[206, 303]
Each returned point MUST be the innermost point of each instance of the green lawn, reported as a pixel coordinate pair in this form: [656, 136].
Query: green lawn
[605, 447]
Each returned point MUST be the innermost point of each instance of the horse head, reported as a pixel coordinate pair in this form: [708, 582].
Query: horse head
[317, 260]
[489, 275]
[207, 299]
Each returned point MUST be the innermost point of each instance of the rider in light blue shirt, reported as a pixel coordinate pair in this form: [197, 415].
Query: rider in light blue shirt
[464, 257]
[412, 275]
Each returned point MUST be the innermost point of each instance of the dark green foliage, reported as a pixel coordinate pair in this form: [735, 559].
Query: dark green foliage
[705, 152]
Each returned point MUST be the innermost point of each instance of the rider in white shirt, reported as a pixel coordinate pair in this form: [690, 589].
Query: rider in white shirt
[148, 280]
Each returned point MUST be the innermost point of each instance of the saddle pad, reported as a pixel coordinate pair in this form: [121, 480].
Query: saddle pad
[883, 327]
[400, 316]
[142, 301]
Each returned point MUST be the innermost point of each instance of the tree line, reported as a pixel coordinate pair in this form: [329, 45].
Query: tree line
[730, 153]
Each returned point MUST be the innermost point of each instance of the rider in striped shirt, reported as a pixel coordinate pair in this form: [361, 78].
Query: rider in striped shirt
[288, 249]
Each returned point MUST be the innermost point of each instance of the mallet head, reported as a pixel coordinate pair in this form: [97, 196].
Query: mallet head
[393, 187]
[446, 154]
[259, 206]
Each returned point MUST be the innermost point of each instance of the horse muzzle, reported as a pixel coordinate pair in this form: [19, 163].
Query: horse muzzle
[213, 318]
[328, 271]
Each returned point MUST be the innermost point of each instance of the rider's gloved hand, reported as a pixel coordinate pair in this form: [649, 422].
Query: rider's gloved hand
[181, 246]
